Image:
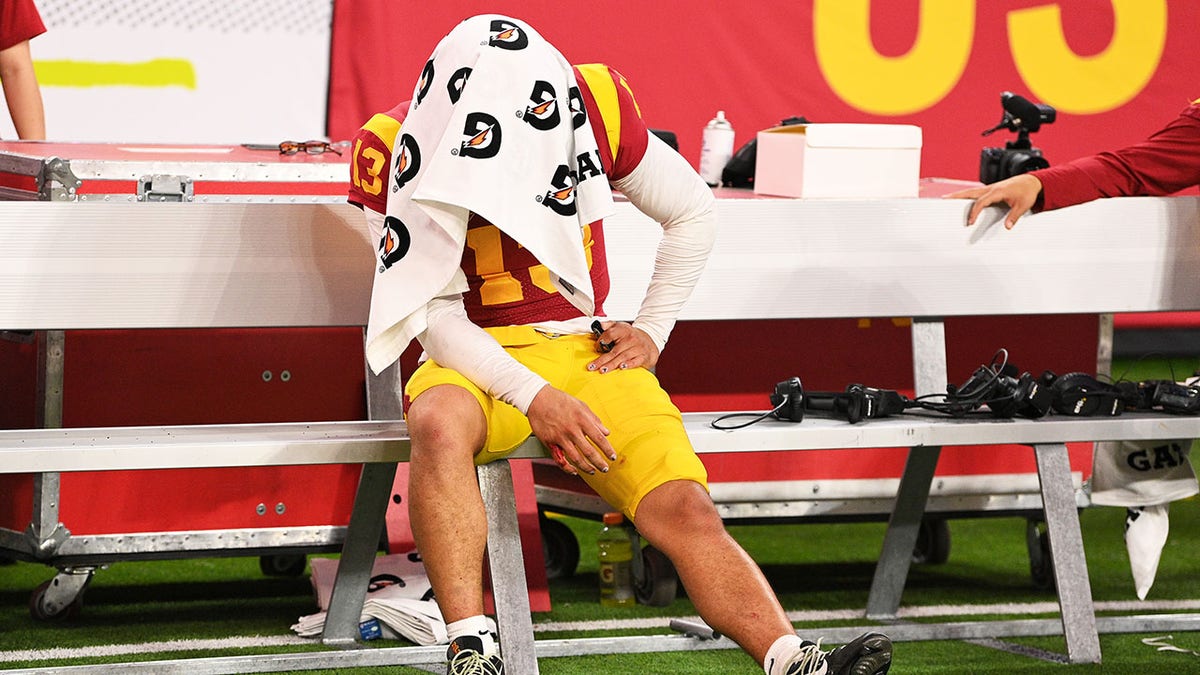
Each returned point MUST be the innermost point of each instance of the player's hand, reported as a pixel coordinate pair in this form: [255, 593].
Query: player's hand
[575, 435]
[631, 348]
[1019, 192]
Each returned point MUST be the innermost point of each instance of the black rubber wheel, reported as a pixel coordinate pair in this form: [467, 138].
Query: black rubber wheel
[283, 565]
[1041, 565]
[933, 542]
[38, 610]
[659, 584]
[560, 548]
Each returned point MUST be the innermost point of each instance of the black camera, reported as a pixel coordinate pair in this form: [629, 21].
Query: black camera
[1019, 156]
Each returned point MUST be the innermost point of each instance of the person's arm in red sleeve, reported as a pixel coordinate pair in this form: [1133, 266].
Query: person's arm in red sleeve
[1163, 164]
[19, 23]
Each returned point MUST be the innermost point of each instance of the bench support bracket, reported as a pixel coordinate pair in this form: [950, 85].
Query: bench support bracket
[903, 527]
[358, 554]
[1066, 550]
[509, 588]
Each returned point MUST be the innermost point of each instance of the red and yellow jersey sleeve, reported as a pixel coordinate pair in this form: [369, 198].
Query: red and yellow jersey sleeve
[616, 119]
[371, 158]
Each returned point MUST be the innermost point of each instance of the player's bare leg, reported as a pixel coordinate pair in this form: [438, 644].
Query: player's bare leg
[725, 584]
[732, 595]
[445, 508]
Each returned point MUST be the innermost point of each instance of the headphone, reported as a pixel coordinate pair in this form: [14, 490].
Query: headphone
[1167, 396]
[789, 402]
[858, 402]
[1081, 395]
[997, 386]
[1024, 396]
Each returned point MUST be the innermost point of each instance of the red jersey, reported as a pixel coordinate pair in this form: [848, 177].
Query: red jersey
[1166, 162]
[19, 21]
[506, 283]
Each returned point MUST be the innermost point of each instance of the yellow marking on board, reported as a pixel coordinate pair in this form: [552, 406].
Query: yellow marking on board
[898, 322]
[1098, 83]
[155, 73]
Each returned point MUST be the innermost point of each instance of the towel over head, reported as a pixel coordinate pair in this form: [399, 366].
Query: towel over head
[496, 127]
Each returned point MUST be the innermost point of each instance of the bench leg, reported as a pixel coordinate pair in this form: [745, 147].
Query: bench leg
[903, 527]
[509, 588]
[358, 554]
[1066, 550]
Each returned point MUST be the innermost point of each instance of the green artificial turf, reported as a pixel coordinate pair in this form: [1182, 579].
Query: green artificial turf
[812, 567]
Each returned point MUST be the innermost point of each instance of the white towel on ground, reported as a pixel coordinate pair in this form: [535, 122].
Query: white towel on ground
[497, 127]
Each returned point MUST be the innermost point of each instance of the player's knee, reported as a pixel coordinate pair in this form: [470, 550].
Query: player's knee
[697, 514]
[679, 506]
[446, 417]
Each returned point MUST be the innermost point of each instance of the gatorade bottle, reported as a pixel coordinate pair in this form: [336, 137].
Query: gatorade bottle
[716, 148]
[616, 563]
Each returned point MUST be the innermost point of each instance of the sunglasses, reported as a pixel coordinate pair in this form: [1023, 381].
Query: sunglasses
[310, 147]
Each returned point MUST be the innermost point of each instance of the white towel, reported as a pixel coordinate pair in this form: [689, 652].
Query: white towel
[1146, 529]
[496, 127]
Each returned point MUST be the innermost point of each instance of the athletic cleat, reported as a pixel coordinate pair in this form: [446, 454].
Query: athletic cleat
[465, 657]
[809, 660]
[868, 654]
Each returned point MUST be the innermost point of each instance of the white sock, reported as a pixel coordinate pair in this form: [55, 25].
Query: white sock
[781, 650]
[475, 626]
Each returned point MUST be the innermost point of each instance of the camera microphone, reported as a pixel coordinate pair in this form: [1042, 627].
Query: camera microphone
[1025, 113]
[1016, 157]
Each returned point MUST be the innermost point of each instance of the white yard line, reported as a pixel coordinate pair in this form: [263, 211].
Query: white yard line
[903, 613]
[57, 653]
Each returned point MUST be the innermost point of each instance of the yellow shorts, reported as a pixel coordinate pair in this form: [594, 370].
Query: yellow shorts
[645, 428]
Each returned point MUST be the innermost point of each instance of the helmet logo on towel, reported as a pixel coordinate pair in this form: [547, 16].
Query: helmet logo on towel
[408, 161]
[542, 112]
[458, 82]
[394, 243]
[561, 196]
[482, 133]
[507, 35]
[575, 104]
[425, 82]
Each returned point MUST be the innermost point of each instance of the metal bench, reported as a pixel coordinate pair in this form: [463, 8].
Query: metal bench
[287, 265]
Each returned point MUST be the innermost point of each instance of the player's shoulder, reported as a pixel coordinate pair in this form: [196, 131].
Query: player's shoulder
[598, 77]
[382, 127]
[621, 132]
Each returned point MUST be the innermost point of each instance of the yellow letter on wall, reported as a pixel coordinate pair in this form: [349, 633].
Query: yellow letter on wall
[1088, 84]
[884, 85]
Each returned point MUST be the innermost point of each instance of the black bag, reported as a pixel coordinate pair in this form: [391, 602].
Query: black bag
[739, 171]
